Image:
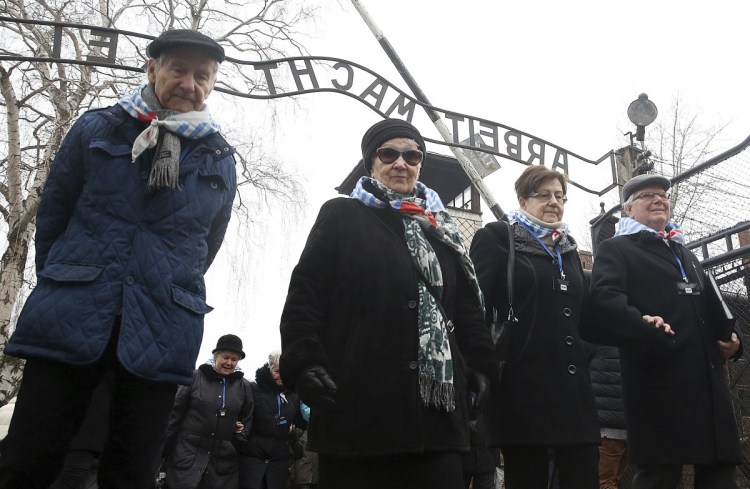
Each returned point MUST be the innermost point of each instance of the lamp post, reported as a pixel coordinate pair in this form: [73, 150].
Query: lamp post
[631, 160]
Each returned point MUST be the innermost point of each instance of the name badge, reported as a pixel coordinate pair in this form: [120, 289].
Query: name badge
[561, 285]
[688, 288]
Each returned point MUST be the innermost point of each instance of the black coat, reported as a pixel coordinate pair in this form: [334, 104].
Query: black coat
[605, 381]
[277, 421]
[677, 402]
[545, 394]
[200, 441]
[352, 308]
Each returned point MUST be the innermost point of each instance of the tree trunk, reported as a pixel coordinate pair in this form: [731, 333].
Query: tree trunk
[12, 268]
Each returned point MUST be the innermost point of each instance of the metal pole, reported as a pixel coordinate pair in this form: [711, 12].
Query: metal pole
[475, 178]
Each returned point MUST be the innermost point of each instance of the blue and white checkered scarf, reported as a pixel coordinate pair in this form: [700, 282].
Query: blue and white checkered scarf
[143, 105]
[628, 226]
[432, 199]
[555, 233]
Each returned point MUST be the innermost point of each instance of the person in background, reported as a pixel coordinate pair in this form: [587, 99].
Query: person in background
[605, 380]
[267, 455]
[543, 401]
[208, 419]
[383, 328]
[305, 470]
[649, 300]
[133, 212]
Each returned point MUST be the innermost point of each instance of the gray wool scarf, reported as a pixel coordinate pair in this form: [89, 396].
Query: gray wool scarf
[143, 105]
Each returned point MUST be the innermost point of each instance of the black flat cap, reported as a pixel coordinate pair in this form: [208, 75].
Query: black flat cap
[643, 181]
[185, 39]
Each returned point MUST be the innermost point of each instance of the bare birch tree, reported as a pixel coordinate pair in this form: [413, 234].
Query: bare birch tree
[678, 143]
[42, 100]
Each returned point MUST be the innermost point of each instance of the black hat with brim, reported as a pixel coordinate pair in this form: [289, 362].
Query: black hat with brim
[230, 342]
[185, 39]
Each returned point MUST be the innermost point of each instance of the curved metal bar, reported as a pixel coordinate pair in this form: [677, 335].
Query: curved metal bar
[407, 103]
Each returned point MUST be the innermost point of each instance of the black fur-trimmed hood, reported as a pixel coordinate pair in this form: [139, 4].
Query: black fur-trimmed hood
[264, 379]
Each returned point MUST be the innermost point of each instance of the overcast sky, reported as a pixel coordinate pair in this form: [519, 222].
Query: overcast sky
[562, 71]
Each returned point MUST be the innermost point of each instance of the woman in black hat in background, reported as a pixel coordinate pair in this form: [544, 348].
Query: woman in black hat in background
[383, 325]
[207, 419]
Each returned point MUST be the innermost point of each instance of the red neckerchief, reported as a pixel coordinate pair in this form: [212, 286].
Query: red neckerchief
[411, 208]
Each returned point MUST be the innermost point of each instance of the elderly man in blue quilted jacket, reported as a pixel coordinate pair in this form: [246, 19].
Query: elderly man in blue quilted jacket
[133, 213]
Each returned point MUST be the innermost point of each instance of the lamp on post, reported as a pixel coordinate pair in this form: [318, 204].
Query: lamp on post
[642, 112]
[631, 160]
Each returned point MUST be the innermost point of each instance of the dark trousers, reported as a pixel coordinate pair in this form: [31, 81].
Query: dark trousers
[485, 480]
[527, 466]
[402, 471]
[715, 476]
[76, 470]
[50, 407]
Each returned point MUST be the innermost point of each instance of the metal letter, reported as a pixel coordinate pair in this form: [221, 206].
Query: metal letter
[492, 134]
[456, 119]
[536, 154]
[561, 155]
[513, 148]
[371, 91]
[110, 44]
[57, 42]
[296, 72]
[350, 77]
[266, 68]
[402, 107]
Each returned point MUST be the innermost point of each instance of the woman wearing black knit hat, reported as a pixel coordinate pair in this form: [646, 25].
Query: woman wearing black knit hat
[383, 333]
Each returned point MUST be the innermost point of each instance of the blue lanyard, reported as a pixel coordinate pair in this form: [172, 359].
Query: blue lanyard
[278, 403]
[679, 264]
[223, 392]
[557, 260]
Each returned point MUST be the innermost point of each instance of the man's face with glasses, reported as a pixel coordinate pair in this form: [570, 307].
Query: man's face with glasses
[650, 207]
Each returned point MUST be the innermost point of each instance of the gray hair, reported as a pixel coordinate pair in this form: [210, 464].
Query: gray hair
[630, 201]
[273, 358]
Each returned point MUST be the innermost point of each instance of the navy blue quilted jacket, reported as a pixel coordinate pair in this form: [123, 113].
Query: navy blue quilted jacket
[105, 247]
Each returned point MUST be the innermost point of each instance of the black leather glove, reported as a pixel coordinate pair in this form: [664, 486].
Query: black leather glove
[316, 388]
[479, 384]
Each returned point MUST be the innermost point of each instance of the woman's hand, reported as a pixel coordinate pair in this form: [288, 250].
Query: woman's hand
[238, 427]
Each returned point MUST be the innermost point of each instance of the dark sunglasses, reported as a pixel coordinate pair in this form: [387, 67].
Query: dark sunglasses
[412, 157]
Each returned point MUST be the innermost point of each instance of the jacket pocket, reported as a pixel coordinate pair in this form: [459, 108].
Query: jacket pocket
[226, 460]
[68, 272]
[185, 451]
[110, 148]
[214, 179]
[190, 301]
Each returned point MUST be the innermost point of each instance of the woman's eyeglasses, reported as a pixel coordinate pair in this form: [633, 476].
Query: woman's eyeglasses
[412, 157]
[546, 196]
